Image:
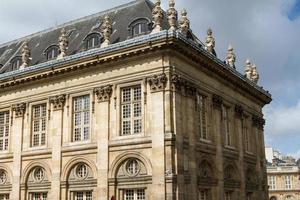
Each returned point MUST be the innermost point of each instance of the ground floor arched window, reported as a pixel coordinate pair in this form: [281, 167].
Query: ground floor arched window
[5, 184]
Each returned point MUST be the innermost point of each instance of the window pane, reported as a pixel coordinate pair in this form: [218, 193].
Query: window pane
[129, 194]
[137, 126]
[141, 194]
[126, 111]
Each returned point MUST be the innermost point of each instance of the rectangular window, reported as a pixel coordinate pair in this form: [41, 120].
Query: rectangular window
[4, 196]
[131, 110]
[228, 195]
[247, 139]
[137, 194]
[81, 118]
[288, 182]
[39, 196]
[86, 195]
[203, 195]
[4, 130]
[228, 136]
[272, 182]
[201, 112]
[38, 136]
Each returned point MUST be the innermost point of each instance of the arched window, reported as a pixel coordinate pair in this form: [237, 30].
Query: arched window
[51, 52]
[4, 185]
[16, 63]
[139, 27]
[93, 40]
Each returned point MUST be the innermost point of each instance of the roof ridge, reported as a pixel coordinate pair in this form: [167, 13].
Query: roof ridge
[73, 22]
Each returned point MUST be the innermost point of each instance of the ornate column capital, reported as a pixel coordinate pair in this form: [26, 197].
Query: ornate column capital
[217, 101]
[19, 109]
[177, 82]
[258, 122]
[103, 93]
[239, 111]
[158, 82]
[58, 101]
[190, 89]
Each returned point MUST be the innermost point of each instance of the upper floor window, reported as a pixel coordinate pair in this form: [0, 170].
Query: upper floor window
[81, 118]
[201, 112]
[227, 128]
[247, 138]
[272, 182]
[39, 125]
[139, 27]
[4, 130]
[288, 182]
[92, 41]
[131, 106]
[52, 52]
[16, 63]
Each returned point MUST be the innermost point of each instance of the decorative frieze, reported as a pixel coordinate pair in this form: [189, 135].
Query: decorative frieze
[258, 122]
[103, 93]
[238, 111]
[19, 109]
[58, 101]
[217, 101]
[158, 82]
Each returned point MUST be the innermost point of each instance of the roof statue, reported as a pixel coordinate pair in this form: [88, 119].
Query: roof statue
[254, 74]
[248, 69]
[106, 31]
[63, 44]
[210, 42]
[25, 55]
[230, 58]
[184, 23]
[172, 15]
[158, 16]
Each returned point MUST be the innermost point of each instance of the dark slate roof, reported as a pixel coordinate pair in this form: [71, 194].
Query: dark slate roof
[77, 30]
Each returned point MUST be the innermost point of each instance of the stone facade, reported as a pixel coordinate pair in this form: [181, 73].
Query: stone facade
[156, 117]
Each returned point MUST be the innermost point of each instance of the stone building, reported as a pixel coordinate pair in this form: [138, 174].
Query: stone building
[128, 104]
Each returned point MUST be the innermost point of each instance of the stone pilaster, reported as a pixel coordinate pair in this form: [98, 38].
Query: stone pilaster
[103, 95]
[17, 137]
[56, 128]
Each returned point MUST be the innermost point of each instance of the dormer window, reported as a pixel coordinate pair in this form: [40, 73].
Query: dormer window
[52, 52]
[92, 41]
[16, 63]
[139, 27]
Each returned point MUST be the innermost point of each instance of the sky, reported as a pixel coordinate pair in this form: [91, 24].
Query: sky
[265, 31]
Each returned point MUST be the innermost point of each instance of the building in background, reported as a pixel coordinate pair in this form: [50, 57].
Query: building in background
[129, 104]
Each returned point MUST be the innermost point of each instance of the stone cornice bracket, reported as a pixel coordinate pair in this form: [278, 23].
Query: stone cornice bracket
[58, 101]
[184, 23]
[239, 111]
[177, 82]
[158, 16]
[210, 42]
[103, 93]
[258, 122]
[172, 16]
[230, 58]
[63, 44]
[217, 101]
[106, 31]
[25, 55]
[19, 109]
[158, 82]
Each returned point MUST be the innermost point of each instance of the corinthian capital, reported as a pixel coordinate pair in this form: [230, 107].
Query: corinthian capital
[158, 82]
[103, 93]
[19, 109]
[58, 101]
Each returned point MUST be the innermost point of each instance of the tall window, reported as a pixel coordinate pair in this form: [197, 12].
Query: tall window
[203, 195]
[16, 63]
[288, 182]
[228, 195]
[87, 195]
[247, 139]
[4, 196]
[4, 130]
[137, 194]
[228, 136]
[201, 111]
[52, 52]
[39, 125]
[81, 118]
[131, 105]
[39, 196]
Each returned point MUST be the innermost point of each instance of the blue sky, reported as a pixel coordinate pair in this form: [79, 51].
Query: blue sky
[266, 31]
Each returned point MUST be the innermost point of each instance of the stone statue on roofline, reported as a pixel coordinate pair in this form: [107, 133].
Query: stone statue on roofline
[251, 71]
[230, 58]
[63, 44]
[172, 15]
[254, 74]
[158, 16]
[184, 23]
[106, 31]
[210, 42]
[25, 55]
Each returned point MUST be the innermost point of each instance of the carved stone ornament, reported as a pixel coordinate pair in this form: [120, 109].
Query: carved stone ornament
[230, 58]
[258, 122]
[103, 93]
[158, 82]
[58, 101]
[190, 89]
[172, 15]
[177, 82]
[184, 23]
[248, 69]
[239, 111]
[158, 16]
[106, 31]
[254, 74]
[25, 55]
[210, 42]
[19, 109]
[63, 44]
[217, 101]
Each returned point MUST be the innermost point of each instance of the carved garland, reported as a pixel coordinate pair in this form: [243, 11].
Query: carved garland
[58, 101]
[19, 109]
[103, 93]
[158, 82]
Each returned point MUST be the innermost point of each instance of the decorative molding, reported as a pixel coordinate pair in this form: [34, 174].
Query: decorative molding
[190, 89]
[217, 101]
[239, 111]
[158, 82]
[103, 93]
[19, 109]
[258, 122]
[58, 101]
[177, 82]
